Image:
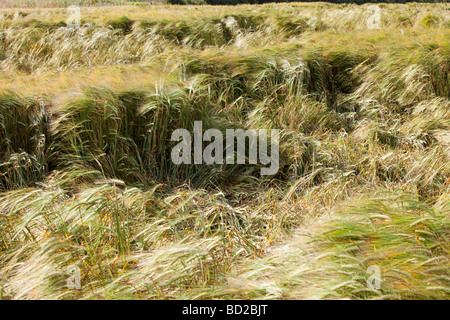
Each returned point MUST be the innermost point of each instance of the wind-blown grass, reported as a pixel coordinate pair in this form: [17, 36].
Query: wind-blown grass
[87, 181]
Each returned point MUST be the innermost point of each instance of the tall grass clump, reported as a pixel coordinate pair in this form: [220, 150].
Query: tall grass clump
[88, 184]
[24, 141]
[406, 239]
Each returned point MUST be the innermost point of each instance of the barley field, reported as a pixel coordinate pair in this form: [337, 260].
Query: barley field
[88, 188]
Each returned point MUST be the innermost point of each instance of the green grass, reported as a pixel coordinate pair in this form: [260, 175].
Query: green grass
[87, 181]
